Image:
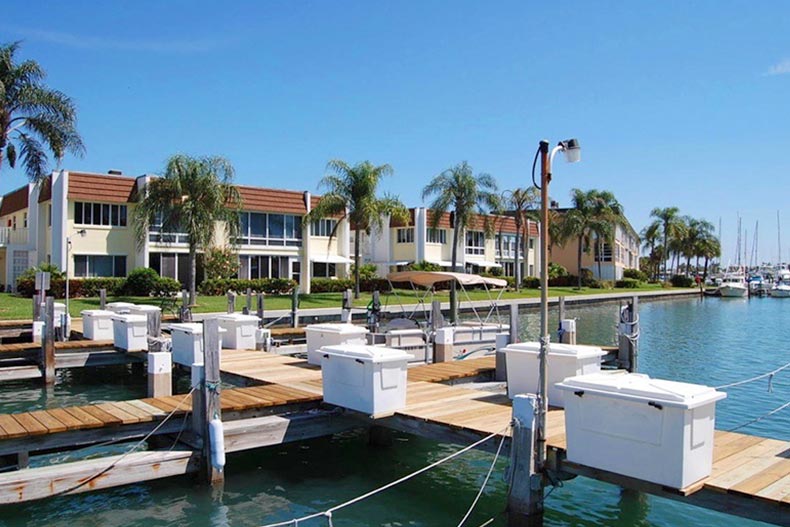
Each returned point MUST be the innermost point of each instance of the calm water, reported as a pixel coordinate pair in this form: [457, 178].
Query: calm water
[712, 341]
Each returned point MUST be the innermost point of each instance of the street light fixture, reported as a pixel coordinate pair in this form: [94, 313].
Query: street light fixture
[572, 151]
[67, 323]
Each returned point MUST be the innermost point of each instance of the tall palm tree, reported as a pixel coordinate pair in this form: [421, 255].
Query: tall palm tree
[351, 195]
[458, 190]
[708, 247]
[650, 235]
[521, 203]
[670, 227]
[191, 197]
[33, 117]
[694, 231]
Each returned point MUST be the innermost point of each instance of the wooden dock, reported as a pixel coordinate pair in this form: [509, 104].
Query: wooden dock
[751, 475]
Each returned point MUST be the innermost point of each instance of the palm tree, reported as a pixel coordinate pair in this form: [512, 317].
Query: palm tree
[192, 196]
[458, 190]
[670, 227]
[708, 247]
[351, 195]
[33, 117]
[595, 213]
[521, 203]
[650, 235]
[695, 230]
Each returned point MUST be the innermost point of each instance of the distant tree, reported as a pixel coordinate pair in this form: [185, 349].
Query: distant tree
[650, 235]
[191, 197]
[462, 193]
[671, 227]
[708, 247]
[33, 117]
[521, 203]
[351, 195]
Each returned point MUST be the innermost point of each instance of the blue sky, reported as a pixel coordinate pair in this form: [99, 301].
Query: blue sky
[675, 103]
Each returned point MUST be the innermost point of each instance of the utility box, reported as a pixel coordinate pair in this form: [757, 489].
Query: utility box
[187, 343]
[130, 332]
[97, 324]
[654, 430]
[411, 340]
[522, 363]
[369, 379]
[122, 308]
[320, 335]
[239, 331]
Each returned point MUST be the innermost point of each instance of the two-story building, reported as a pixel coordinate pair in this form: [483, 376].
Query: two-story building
[81, 222]
[400, 244]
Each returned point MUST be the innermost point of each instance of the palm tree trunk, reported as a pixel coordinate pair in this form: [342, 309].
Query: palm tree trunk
[192, 273]
[517, 270]
[600, 258]
[579, 262]
[453, 292]
[666, 249]
[356, 264]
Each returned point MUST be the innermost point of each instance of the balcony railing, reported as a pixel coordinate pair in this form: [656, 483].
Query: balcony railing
[10, 236]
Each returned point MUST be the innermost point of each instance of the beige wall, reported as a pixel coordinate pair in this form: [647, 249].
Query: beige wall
[101, 239]
[2, 267]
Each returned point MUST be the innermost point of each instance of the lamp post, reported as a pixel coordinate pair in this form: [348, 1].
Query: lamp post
[572, 152]
[67, 325]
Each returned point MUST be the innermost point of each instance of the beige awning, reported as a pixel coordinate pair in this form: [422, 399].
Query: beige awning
[428, 278]
[330, 258]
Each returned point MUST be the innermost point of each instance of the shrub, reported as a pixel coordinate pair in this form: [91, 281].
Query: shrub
[366, 271]
[636, 274]
[531, 282]
[680, 280]
[141, 282]
[221, 262]
[496, 272]
[331, 285]
[627, 283]
[78, 287]
[425, 266]
[52, 269]
[556, 270]
[165, 286]
[220, 286]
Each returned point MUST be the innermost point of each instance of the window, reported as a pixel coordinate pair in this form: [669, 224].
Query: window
[405, 235]
[256, 266]
[97, 214]
[99, 265]
[437, 236]
[49, 215]
[271, 229]
[324, 270]
[323, 227]
[531, 243]
[475, 242]
[176, 266]
[24, 220]
[13, 222]
[604, 255]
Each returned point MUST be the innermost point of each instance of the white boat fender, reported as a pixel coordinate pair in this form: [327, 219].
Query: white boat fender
[217, 439]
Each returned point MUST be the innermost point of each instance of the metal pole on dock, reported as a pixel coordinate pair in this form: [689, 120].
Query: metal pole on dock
[543, 379]
[525, 495]
[48, 343]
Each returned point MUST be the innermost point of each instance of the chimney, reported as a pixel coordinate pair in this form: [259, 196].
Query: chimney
[115, 172]
[554, 205]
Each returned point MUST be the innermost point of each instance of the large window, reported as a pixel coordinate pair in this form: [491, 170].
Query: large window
[603, 254]
[255, 266]
[324, 270]
[99, 214]
[157, 235]
[323, 227]
[437, 236]
[258, 228]
[405, 235]
[99, 265]
[176, 265]
[505, 245]
[475, 242]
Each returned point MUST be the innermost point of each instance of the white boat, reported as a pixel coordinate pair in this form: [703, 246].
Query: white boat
[781, 288]
[734, 285]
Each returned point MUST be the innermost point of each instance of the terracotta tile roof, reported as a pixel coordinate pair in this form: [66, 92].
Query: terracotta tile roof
[272, 200]
[14, 201]
[45, 194]
[444, 221]
[101, 187]
[396, 223]
[314, 201]
[508, 224]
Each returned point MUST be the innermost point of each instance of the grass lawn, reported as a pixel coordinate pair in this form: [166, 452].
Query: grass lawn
[17, 308]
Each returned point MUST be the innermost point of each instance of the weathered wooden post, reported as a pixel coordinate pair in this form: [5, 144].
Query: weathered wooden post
[206, 402]
[443, 345]
[185, 314]
[102, 299]
[437, 319]
[160, 374]
[502, 340]
[345, 308]
[248, 306]
[568, 331]
[154, 322]
[525, 495]
[628, 335]
[562, 307]
[48, 343]
[231, 302]
[295, 308]
[513, 323]
[260, 310]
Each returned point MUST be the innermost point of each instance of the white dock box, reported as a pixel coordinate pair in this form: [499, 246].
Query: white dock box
[187, 343]
[145, 309]
[130, 332]
[97, 324]
[239, 331]
[369, 379]
[121, 308]
[564, 360]
[320, 335]
[654, 430]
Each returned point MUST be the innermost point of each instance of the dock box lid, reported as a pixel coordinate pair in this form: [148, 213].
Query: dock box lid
[337, 328]
[363, 352]
[98, 313]
[568, 350]
[130, 318]
[238, 317]
[144, 307]
[638, 386]
[119, 304]
[194, 328]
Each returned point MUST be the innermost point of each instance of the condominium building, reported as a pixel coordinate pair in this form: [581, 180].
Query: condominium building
[400, 244]
[81, 222]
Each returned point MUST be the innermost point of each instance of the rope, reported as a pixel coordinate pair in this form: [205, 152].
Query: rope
[328, 513]
[770, 376]
[485, 482]
[757, 419]
[135, 447]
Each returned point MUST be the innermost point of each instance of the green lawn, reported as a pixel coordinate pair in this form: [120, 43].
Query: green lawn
[17, 308]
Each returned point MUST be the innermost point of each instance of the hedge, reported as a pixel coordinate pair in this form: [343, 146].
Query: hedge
[89, 287]
[220, 286]
[680, 280]
[533, 282]
[331, 285]
[627, 283]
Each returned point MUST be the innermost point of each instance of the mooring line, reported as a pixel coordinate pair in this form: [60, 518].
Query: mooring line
[757, 419]
[485, 483]
[770, 376]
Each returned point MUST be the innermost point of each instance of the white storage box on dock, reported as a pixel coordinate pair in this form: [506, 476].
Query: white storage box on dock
[60, 310]
[320, 335]
[130, 332]
[187, 343]
[143, 309]
[369, 379]
[239, 331]
[97, 324]
[650, 429]
[564, 360]
[119, 307]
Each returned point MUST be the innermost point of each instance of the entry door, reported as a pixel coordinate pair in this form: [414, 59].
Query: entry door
[18, 266]
[296, 270]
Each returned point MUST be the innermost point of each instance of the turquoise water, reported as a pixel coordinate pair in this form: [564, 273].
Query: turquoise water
[712, 341]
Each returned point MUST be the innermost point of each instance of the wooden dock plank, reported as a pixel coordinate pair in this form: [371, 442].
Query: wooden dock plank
[126, 406]
[11, 428]
[150, 409]
[71, 422]
[124, 417]
[86, 419]
[765, 478]
[30, 424]
[100, 415]
[46, 418]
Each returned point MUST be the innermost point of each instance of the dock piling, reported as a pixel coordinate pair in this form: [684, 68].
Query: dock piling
[260, 308]
[628, 335]
[295, 308]
[502, 340]
[102, 299]
[48, 342]
[231, 302]
[248, 306]
[443, 345]
[160, 374]
[345, 313]
[206, 399]
[437, 320]
[185, 314]
[525, 493]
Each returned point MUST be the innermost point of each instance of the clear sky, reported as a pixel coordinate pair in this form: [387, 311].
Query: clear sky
[675, 103]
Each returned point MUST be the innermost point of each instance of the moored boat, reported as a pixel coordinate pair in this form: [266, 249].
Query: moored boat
[733, 285]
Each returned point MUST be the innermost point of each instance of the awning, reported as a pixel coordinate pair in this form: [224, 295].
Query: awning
[484, 264]
[399, 262]
[428, 278]
[443, 263]
[331, 258]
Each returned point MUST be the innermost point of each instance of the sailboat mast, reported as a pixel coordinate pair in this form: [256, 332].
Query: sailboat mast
[779, 238]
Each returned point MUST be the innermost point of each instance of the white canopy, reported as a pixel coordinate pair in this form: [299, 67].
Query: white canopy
[428, 278]
[484, 264]
[330, 258]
